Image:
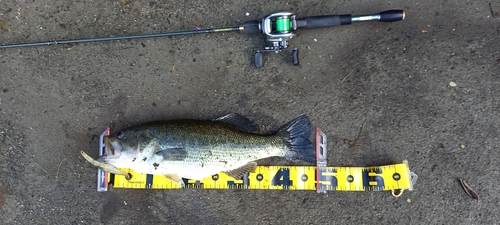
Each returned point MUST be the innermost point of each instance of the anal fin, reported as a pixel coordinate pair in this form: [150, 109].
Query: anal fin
[175, 178]
[240, 171]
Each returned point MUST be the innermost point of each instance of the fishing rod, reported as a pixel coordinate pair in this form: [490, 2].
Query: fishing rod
[278, 28]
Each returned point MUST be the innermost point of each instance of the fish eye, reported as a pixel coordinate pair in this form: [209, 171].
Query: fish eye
[119, 135]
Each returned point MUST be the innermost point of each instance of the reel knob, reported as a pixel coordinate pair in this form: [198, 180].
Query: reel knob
[258, 59]
[295, 54]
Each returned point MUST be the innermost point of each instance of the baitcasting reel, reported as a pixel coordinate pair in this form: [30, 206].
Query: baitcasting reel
[278, 28]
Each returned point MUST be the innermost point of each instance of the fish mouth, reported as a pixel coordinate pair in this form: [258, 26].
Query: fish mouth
[113, 148]
[103, 165]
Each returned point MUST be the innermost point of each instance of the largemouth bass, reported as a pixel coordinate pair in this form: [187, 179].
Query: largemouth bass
[195, 149]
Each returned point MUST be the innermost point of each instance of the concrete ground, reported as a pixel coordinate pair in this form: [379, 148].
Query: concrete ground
[56, 100]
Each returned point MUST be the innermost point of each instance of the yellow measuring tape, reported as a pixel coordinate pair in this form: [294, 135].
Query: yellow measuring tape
[396, 177]
[380, 178]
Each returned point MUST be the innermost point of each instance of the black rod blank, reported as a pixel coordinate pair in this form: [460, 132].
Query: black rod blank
[175, 33]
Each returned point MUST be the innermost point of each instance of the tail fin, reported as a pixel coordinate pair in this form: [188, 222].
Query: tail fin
[296, 135]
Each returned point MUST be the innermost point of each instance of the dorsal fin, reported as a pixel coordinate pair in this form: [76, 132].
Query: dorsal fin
[239, 122]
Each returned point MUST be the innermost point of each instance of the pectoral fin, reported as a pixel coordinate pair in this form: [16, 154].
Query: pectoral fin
[105, 166]
[173, 154]
[175, 178]
[240, 171]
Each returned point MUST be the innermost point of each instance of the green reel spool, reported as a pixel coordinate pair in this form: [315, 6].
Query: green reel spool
[283, 25]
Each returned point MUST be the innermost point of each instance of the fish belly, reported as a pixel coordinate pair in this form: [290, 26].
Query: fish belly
[205, 162]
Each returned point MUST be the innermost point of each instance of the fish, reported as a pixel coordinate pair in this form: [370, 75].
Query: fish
[197, 149]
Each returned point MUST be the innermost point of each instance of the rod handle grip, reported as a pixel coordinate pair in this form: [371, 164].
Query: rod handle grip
[251, 27]
[313, 22]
